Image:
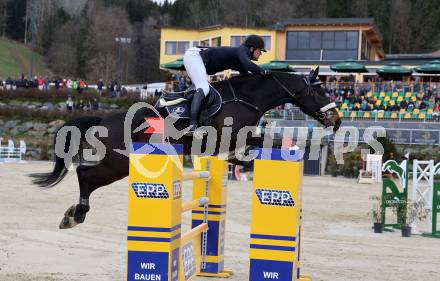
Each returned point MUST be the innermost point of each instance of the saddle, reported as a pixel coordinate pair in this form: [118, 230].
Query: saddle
[178, 104]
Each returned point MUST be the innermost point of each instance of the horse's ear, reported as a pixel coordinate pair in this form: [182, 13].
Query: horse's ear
[315, 74]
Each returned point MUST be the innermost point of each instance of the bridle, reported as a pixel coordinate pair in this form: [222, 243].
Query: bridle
[324, 114]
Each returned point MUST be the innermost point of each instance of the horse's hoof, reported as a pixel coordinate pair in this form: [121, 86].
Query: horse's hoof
[71, 211]
[68, 222]
[69, 218]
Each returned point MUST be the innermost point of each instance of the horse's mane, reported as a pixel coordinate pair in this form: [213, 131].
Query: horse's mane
[247, 77]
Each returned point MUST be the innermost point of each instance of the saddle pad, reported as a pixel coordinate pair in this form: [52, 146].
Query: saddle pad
[212, 106]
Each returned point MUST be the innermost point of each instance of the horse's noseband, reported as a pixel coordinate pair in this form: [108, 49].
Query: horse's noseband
[325, 114]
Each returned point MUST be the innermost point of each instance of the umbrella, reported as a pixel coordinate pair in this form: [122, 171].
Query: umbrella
[277, 66]
[433, 67]
[348, 66]
[174, 65]
[394, 68]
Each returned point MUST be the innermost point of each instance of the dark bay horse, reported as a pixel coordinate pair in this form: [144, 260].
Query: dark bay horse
[245, 98]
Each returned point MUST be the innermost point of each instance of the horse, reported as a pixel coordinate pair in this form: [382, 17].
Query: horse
[245, 98]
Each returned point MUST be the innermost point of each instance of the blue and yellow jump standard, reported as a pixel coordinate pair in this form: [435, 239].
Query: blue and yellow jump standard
[157, 250]
[276, 216]
[217, 188]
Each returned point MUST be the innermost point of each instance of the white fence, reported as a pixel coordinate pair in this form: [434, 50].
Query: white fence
[11, 154]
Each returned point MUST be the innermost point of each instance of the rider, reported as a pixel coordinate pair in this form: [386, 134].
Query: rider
[203, 61]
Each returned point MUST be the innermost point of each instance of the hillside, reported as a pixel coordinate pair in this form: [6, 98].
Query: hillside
[16, 58]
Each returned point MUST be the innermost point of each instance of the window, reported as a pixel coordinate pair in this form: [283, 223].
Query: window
[216, 42]
[303, 40]
[333, 45]
[204, 43]
[328, 40]
[340, 40]
[292, 40]
[195, 43]
[176, 47]
[352, 40]
[267, 42]
[237, 40]
[315, 40]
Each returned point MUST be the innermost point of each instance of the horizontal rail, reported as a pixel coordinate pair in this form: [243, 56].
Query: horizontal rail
[195, 175]
[190, 235]
[194, 204]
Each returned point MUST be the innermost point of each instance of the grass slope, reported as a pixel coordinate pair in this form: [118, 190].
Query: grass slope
[16, 58]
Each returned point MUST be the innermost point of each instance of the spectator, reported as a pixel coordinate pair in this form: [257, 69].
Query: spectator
[100, 86]
[40, 82]
[95, 104]
[57, 84]
[46, 84]
[118, 89]
[69, 103]
[8, 84]
[74, 84]
[403, 104]
[82, 85]
[364, 105]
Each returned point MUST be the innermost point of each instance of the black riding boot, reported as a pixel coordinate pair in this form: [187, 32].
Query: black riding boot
[196, 105]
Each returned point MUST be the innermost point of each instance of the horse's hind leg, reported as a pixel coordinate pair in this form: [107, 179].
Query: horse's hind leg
[90, 178]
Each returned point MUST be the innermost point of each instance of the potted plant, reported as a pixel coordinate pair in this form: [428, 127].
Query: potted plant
[415, 211]
[376, 214]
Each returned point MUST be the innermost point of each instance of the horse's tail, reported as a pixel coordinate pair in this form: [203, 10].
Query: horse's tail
[47, 180]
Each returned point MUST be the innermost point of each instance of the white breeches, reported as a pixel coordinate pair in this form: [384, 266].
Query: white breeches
[196, 69]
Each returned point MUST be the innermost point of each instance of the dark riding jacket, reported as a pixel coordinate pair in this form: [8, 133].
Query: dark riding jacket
[217, 59]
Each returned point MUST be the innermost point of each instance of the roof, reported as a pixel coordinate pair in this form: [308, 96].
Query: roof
[372, 32]
[325, 21]
[217, 26]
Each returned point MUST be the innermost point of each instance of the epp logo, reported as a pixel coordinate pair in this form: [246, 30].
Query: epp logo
[149, 190]
[275, 197]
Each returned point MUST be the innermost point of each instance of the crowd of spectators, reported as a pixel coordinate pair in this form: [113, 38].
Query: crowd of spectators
[113, 88]
[42, 83]
[85, 105]
[347, 94]
[179, 82]
[367, 96]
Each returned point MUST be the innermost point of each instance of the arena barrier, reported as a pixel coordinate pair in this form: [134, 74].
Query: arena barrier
[157, 250]
[427, 189]
[424, 188]
[394, 194]
[12, 154]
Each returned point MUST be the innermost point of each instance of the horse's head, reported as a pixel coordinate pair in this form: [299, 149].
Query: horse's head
[310, 96]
